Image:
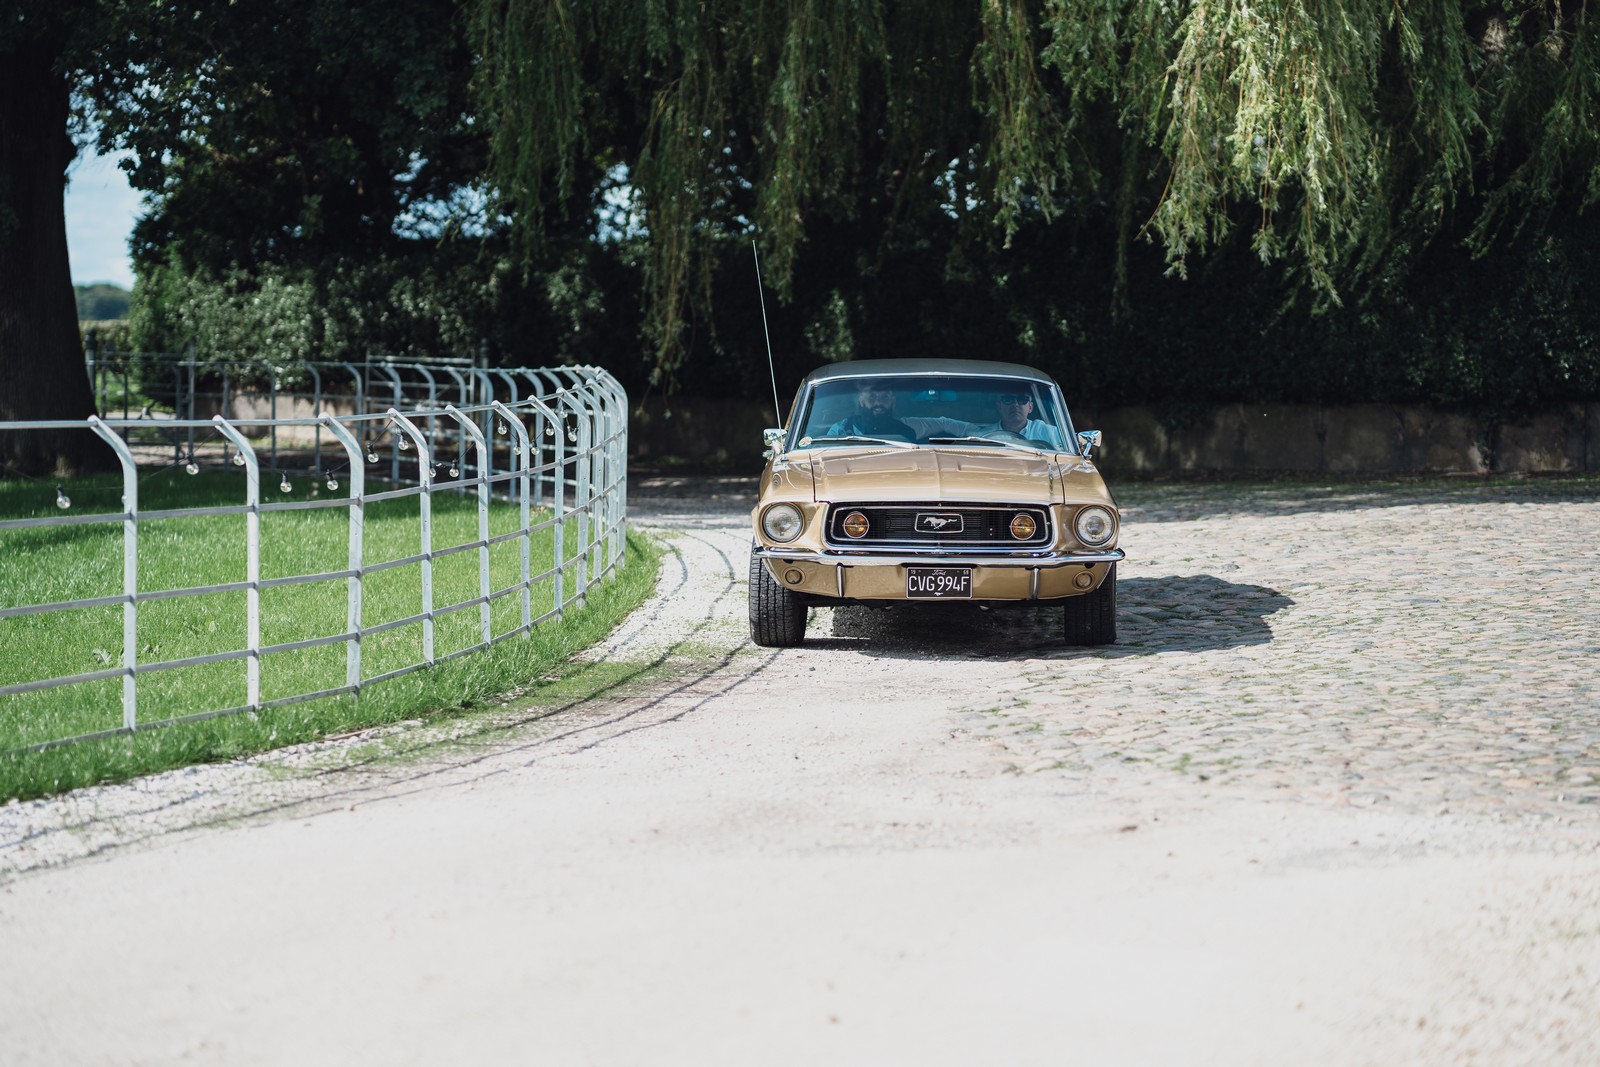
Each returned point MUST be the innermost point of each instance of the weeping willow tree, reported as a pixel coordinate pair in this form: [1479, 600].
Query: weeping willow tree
[1337, 134]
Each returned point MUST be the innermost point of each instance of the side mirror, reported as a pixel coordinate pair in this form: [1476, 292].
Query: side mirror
[772, 438]
[1088, 441]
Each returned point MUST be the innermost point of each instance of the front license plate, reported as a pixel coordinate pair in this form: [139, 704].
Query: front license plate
[939, 583]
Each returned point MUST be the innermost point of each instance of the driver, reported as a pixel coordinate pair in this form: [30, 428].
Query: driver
[874, 414]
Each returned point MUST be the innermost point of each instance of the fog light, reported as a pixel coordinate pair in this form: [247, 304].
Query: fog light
[1023, 526]
[1083, 579]
[792, 576]
[855, 524]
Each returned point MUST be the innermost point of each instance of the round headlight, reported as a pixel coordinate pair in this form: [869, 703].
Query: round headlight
[855, 524]
[782, 522]
[1094, 525]
[1023, 526]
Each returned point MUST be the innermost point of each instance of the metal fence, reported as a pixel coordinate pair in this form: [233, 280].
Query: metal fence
[549, 443]
[155, 388]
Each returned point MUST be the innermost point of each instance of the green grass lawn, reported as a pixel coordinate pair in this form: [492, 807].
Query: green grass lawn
[48, 564]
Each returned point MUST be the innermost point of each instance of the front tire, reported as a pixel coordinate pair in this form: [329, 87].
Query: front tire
[777, 615]
[1091, 619]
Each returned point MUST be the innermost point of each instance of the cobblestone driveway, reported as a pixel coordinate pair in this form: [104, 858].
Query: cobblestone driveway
[1418, 647]
[1423, 648]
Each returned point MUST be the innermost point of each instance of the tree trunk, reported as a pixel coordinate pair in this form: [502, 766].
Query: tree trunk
[42, 373]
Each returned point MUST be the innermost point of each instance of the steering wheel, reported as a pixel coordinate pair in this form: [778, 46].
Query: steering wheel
[1007, 436]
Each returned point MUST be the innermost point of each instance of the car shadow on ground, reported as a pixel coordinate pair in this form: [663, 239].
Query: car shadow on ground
[1182, 613]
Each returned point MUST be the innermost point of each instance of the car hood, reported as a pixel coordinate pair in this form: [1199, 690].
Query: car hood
[927, 474]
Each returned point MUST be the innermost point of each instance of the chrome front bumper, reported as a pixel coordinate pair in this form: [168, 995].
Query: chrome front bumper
[941, 559]
[849, 576]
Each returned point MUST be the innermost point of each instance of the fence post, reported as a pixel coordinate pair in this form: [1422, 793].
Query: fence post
[316, 411]
[273, 371]
[130, 571]
[485, 469]
[425, 511]
[558, 496]
[589, 414]
[358, 489]
[186, 410]
[521, 460]
[615, 455]
[252, 558]
[574, 400]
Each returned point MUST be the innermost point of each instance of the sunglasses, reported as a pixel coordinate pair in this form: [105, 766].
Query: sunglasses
[1014, 398]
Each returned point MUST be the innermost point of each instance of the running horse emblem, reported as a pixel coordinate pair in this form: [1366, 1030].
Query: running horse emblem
[936, 523]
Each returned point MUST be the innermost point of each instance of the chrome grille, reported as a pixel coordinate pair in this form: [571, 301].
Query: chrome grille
[920, 526]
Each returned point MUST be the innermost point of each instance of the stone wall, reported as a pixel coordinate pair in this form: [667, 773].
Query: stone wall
[1355, 439]
[1236, 438]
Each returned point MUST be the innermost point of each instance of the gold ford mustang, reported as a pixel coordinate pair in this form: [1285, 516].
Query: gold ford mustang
[932, 480]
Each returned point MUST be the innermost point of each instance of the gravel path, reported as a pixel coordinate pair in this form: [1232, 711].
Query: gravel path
[1333, 799]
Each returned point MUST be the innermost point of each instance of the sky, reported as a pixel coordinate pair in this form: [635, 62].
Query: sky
[100, 213]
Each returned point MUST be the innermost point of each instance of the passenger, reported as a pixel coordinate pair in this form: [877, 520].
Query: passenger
[1013, 410]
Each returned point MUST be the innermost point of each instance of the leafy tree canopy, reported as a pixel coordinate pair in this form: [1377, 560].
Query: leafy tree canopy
[277, 132]
[1338, 137]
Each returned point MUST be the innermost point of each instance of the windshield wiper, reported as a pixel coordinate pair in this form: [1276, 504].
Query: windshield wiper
[854, 440]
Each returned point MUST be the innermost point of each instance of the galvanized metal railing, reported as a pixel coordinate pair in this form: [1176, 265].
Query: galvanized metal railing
[155, 391]
[556, 454]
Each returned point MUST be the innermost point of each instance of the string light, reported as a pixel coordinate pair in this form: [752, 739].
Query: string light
[284, 486]
[333, 483]
[63, 501]
[455, 470]
[572, 435]
[501, 428]
[549, 429]
[404, 444]
[372, 453]
[191, 467]
[238, 459]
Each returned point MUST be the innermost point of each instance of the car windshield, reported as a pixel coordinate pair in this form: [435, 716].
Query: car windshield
[977, 411]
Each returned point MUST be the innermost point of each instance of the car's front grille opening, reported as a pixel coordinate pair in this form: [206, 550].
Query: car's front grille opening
[935, 526]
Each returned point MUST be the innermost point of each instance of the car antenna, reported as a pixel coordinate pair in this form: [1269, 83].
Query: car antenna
[777, 412]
